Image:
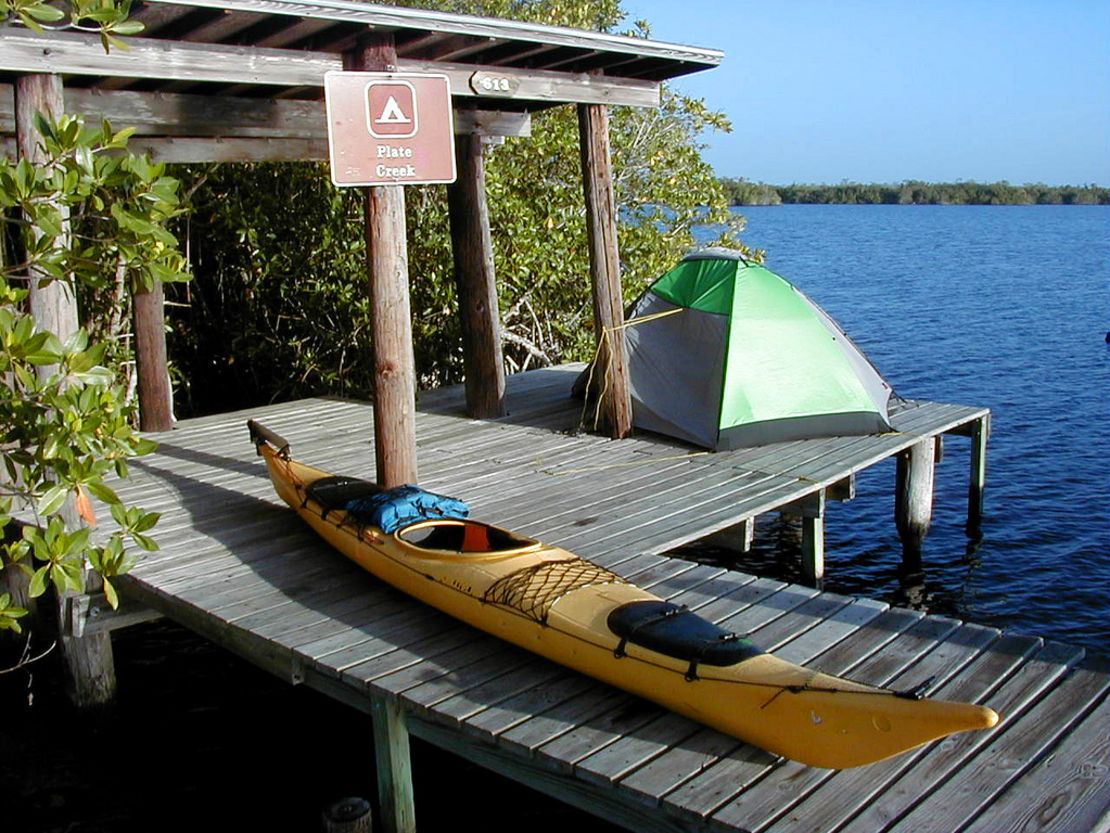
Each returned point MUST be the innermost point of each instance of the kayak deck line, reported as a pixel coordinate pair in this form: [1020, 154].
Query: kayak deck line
[251, 577]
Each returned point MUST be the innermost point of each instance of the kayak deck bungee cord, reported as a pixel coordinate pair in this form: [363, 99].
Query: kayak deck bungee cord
[581, 615]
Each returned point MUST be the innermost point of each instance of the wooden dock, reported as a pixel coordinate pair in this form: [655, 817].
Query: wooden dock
[243, 571]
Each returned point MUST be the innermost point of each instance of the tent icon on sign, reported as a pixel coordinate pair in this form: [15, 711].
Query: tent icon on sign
[391, 109]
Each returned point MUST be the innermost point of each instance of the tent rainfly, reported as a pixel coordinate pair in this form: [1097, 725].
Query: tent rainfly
[724, 353]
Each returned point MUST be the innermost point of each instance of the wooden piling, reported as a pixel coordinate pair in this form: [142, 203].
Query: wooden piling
[391, 328]
[475, 281]
[348, 815]
[391, 751]
[90, 669]
[811, 510]
[53, 306]
[913, 500]
[153, 384]
[813, 550]
[737, 538]
[90, 664]
[391, 319]
[615, 406]
[980, 433]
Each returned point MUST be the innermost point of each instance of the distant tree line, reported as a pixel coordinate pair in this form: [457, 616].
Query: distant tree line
[913, 192]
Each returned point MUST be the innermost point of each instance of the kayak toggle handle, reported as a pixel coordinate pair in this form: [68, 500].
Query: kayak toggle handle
[261, 435]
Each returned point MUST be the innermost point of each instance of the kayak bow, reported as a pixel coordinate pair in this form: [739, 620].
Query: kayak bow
[560, 606]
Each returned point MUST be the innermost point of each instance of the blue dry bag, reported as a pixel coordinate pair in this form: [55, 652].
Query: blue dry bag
[401, 506]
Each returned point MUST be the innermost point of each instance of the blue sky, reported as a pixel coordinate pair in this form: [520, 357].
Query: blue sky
[889, 90]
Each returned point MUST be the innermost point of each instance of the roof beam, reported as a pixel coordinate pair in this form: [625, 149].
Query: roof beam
[543, 85]
[294, 31]
[71, 53]
[215, 27]
[193, 128]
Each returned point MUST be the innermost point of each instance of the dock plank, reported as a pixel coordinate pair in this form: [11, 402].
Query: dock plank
[1018, 691]
[1067, 789]
[993, 768]
[847, 794]
[708, 792]
[241, 570]
[666, 730]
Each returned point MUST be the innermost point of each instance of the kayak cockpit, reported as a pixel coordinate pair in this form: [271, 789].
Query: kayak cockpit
[463, 537]
[367, 504]
[334, 492]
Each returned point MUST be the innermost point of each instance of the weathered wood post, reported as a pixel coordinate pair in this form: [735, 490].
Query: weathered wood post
[615, 404]
[54, 306]
[811, 511]
[391, 751]
[391, 332]
[980, 433]
[153, 383]
[913, 497]
[90, 668]
[391, 320]
[13, 580]
[813, 549]
[736, 539]
[348, 815]
[475, 281]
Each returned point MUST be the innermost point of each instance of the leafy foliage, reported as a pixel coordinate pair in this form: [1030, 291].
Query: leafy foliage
[279, 303]
[93, 218]
[278, 308]
[106, 18]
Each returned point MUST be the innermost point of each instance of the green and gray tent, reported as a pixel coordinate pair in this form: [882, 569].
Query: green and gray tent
[724, 353]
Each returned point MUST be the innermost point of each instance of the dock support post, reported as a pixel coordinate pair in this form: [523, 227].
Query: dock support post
[53, 306]
[89, 664]
[811, 509]
[391, 751]
[980, 433]
[843, 490]
[153, 382]
[736, 538]
[913, 499]
[394, 362]
[615, 406]
[813, 550]
[475, 282]
[391, 321]
[348, 815]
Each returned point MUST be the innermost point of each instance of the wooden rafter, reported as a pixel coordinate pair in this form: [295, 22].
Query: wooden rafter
[70, 53]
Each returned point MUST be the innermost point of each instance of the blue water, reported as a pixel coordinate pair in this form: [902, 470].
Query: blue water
[1004, 307]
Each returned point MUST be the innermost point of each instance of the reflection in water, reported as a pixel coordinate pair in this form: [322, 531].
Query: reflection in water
[912, 591]
[899, 579]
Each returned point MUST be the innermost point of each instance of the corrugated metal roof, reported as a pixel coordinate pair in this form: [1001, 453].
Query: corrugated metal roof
[335, 26]
[237, 69]
[321, 31]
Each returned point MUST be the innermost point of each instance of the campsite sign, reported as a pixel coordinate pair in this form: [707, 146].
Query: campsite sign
[388, 128]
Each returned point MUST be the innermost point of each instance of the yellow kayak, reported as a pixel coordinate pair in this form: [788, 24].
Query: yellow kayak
[560, 606]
